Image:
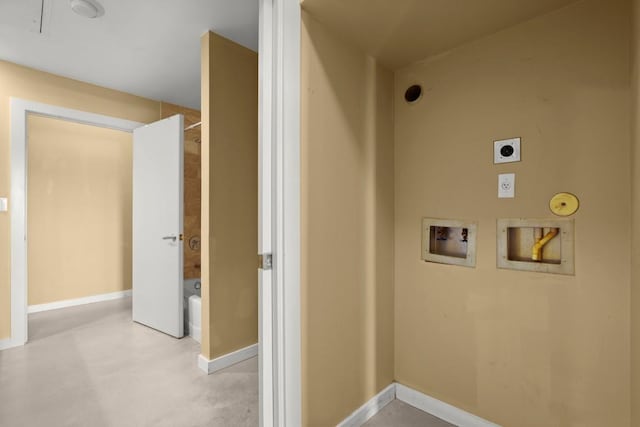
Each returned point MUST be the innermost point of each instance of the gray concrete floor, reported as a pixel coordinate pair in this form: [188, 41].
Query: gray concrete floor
[92, 366]
[399, 414]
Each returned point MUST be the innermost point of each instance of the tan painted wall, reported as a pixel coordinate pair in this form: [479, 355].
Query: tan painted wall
[192, 185]
[229, 196]
[347, 226]
[37, 86]
[635, 217]
[520, 349]
[400, 32]
[79, 216]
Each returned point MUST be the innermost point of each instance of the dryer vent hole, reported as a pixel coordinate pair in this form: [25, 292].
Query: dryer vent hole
[413, 94]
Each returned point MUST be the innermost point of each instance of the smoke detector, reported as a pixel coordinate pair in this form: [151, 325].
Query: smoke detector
[87, 8]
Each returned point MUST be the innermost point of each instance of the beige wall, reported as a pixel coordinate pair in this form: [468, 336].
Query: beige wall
[400, 32]
[21, 82]
[79, 216]
[635, 218]
[229, 196]
[520, 349]
[347, 226]
[192, 185]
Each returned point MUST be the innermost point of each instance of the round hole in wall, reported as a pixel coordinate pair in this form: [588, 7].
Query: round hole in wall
[506, 151]
[413, 94]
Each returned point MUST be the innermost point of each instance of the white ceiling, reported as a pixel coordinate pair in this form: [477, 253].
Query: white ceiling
[149, 48]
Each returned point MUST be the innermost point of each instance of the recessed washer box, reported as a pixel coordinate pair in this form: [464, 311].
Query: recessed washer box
[540, 245]
[449, 241]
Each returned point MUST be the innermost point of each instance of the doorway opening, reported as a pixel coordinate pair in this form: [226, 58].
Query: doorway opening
[79, 216]
[21, 112]
[75, 172]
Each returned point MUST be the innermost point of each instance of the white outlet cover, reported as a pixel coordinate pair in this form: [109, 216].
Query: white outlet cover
[499, 156]
[507, 186]
[4, 204]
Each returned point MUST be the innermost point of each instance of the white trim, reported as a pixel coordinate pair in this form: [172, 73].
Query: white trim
[371, 408]
[265, 213]
[279, 144]
[9, 343]
[19, 110]
[286, 122]
[37, 308]
[439, 408]
[226, 360]
[419, 400]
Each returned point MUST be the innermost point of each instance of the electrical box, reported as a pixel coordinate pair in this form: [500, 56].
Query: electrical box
[506, 185]
[506, 151]
[543, 245]
[448, 241]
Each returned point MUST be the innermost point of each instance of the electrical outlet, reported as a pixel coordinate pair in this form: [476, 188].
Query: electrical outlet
[507, 186]
[506, 151]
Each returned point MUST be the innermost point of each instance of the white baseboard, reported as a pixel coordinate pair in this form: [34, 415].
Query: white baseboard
[372, 407]
[78, 301]
[8, 343]
[418, 400]
[224, 361]
[439, 408]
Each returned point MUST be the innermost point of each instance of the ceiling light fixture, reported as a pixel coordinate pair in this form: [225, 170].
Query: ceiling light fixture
[87, 8]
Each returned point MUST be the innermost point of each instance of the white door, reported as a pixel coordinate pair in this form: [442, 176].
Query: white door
[157, 225]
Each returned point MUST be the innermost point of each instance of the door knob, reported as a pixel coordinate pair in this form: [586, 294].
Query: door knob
[173, 238]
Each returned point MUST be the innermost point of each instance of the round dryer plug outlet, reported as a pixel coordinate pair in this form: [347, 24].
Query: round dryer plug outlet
[506, 151]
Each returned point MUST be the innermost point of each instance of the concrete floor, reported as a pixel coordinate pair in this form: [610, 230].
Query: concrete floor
[399, 414]
[92, 366]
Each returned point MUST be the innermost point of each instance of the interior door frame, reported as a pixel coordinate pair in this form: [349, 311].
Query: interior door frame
[20, 109]
[279, 140]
